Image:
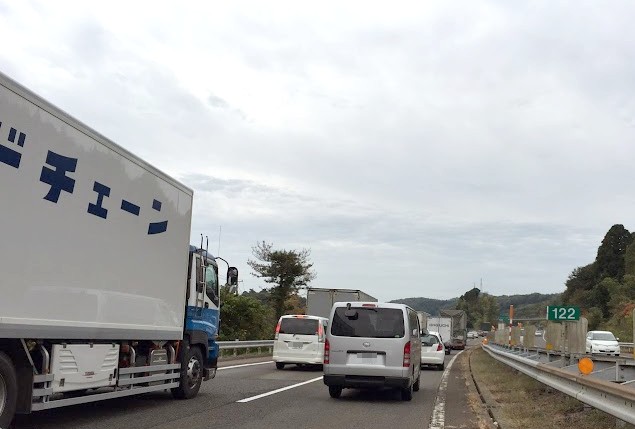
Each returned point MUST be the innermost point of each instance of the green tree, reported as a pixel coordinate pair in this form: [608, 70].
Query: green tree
[629, 259]
[286, 270]
[580, 279]
[244, 318]
[610, 256]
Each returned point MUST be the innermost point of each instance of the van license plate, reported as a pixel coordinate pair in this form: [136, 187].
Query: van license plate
[367, 355]
[295, 345]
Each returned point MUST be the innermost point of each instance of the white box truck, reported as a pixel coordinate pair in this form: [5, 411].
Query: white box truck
[442, 325]
[101, 295]
[319, 301]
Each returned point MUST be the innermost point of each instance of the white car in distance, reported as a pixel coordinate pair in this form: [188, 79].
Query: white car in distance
[602, 342]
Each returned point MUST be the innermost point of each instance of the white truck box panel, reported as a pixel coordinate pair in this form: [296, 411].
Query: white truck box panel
[82, 366]
[321, 300]
[70, 270]
[442, 325]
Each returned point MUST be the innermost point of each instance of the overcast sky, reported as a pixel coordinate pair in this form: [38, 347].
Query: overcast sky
[414, 147]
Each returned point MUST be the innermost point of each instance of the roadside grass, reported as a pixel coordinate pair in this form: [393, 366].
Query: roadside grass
[525, 403]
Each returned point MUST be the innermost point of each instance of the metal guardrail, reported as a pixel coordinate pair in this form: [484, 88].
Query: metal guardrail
[229, 345]
[610, 387]
[627, 348]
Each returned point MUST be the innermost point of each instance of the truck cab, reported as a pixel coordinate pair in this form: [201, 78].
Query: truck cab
[202, 313]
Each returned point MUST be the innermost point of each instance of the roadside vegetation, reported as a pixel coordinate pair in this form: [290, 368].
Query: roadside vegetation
[520, 402]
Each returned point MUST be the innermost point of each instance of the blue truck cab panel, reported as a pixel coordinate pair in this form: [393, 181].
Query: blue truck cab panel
[202, 314]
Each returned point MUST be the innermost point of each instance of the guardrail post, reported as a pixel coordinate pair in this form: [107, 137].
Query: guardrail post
[236, 350]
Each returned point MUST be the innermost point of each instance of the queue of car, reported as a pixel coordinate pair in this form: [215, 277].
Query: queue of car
[362, 345]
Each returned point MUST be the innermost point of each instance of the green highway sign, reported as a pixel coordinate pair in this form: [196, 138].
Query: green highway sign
[563, 313]
[503, 318]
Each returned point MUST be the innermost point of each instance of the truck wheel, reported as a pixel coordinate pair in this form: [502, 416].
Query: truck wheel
[191, 374]
[8, 390]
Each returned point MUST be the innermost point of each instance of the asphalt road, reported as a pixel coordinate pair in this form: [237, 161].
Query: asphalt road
[307, 406]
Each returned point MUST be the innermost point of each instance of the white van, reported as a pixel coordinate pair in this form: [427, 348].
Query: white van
[299, 340]
[372, 345]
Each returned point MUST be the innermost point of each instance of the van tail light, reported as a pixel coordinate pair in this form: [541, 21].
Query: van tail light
[320, 333]
[327, 352]
[406, 355]
[277, 330]
[440, 347]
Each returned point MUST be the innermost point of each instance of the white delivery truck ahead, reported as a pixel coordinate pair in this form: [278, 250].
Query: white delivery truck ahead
[101, 295]
[319, 301]
[442, 325]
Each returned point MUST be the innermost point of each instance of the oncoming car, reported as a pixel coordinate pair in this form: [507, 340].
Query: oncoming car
[299, 340]
[603, 342]
[432, 350]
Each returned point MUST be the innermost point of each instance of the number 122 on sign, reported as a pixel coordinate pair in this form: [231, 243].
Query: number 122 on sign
[566, 313]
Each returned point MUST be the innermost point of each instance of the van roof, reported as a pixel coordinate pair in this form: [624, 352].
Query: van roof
[302, 316]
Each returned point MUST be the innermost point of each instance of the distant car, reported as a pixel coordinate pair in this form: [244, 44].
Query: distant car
[472, 335]
[432, 350]
[458, 344]
[602, 342]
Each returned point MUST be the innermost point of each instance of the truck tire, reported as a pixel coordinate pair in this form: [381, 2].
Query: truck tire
[8, 390]
[191, 373]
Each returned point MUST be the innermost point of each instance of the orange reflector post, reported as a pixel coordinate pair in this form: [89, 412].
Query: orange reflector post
[585, 365]
[485, 341]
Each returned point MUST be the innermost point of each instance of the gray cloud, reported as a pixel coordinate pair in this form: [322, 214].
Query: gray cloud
[414, 149]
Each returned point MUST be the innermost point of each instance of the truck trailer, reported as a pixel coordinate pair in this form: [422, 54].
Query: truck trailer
[101, 294]
[442, 325]
[319, 301]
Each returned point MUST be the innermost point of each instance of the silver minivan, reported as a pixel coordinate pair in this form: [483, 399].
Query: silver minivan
[372, 345]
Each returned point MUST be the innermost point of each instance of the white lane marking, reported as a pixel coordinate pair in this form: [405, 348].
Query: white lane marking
[273, 392]
[243, 365]
[438, 414]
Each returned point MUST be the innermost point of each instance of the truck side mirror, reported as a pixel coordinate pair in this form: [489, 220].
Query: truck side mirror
[232, 276]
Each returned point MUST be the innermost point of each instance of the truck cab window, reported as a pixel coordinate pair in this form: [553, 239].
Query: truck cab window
[211, 284]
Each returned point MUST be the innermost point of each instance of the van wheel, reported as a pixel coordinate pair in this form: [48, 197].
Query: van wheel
[415, 387]
[191, 373]
[279, 365]
[441, 367]
[8, 390]
[406, 393]
[335, 391]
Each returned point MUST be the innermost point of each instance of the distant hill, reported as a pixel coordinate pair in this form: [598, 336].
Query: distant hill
[531, 305]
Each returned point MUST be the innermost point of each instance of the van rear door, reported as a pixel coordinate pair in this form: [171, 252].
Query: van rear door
[368, 339]
[299, 336]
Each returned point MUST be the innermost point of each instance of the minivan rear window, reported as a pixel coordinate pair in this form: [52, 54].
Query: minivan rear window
[369, 322]
[296, 325]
